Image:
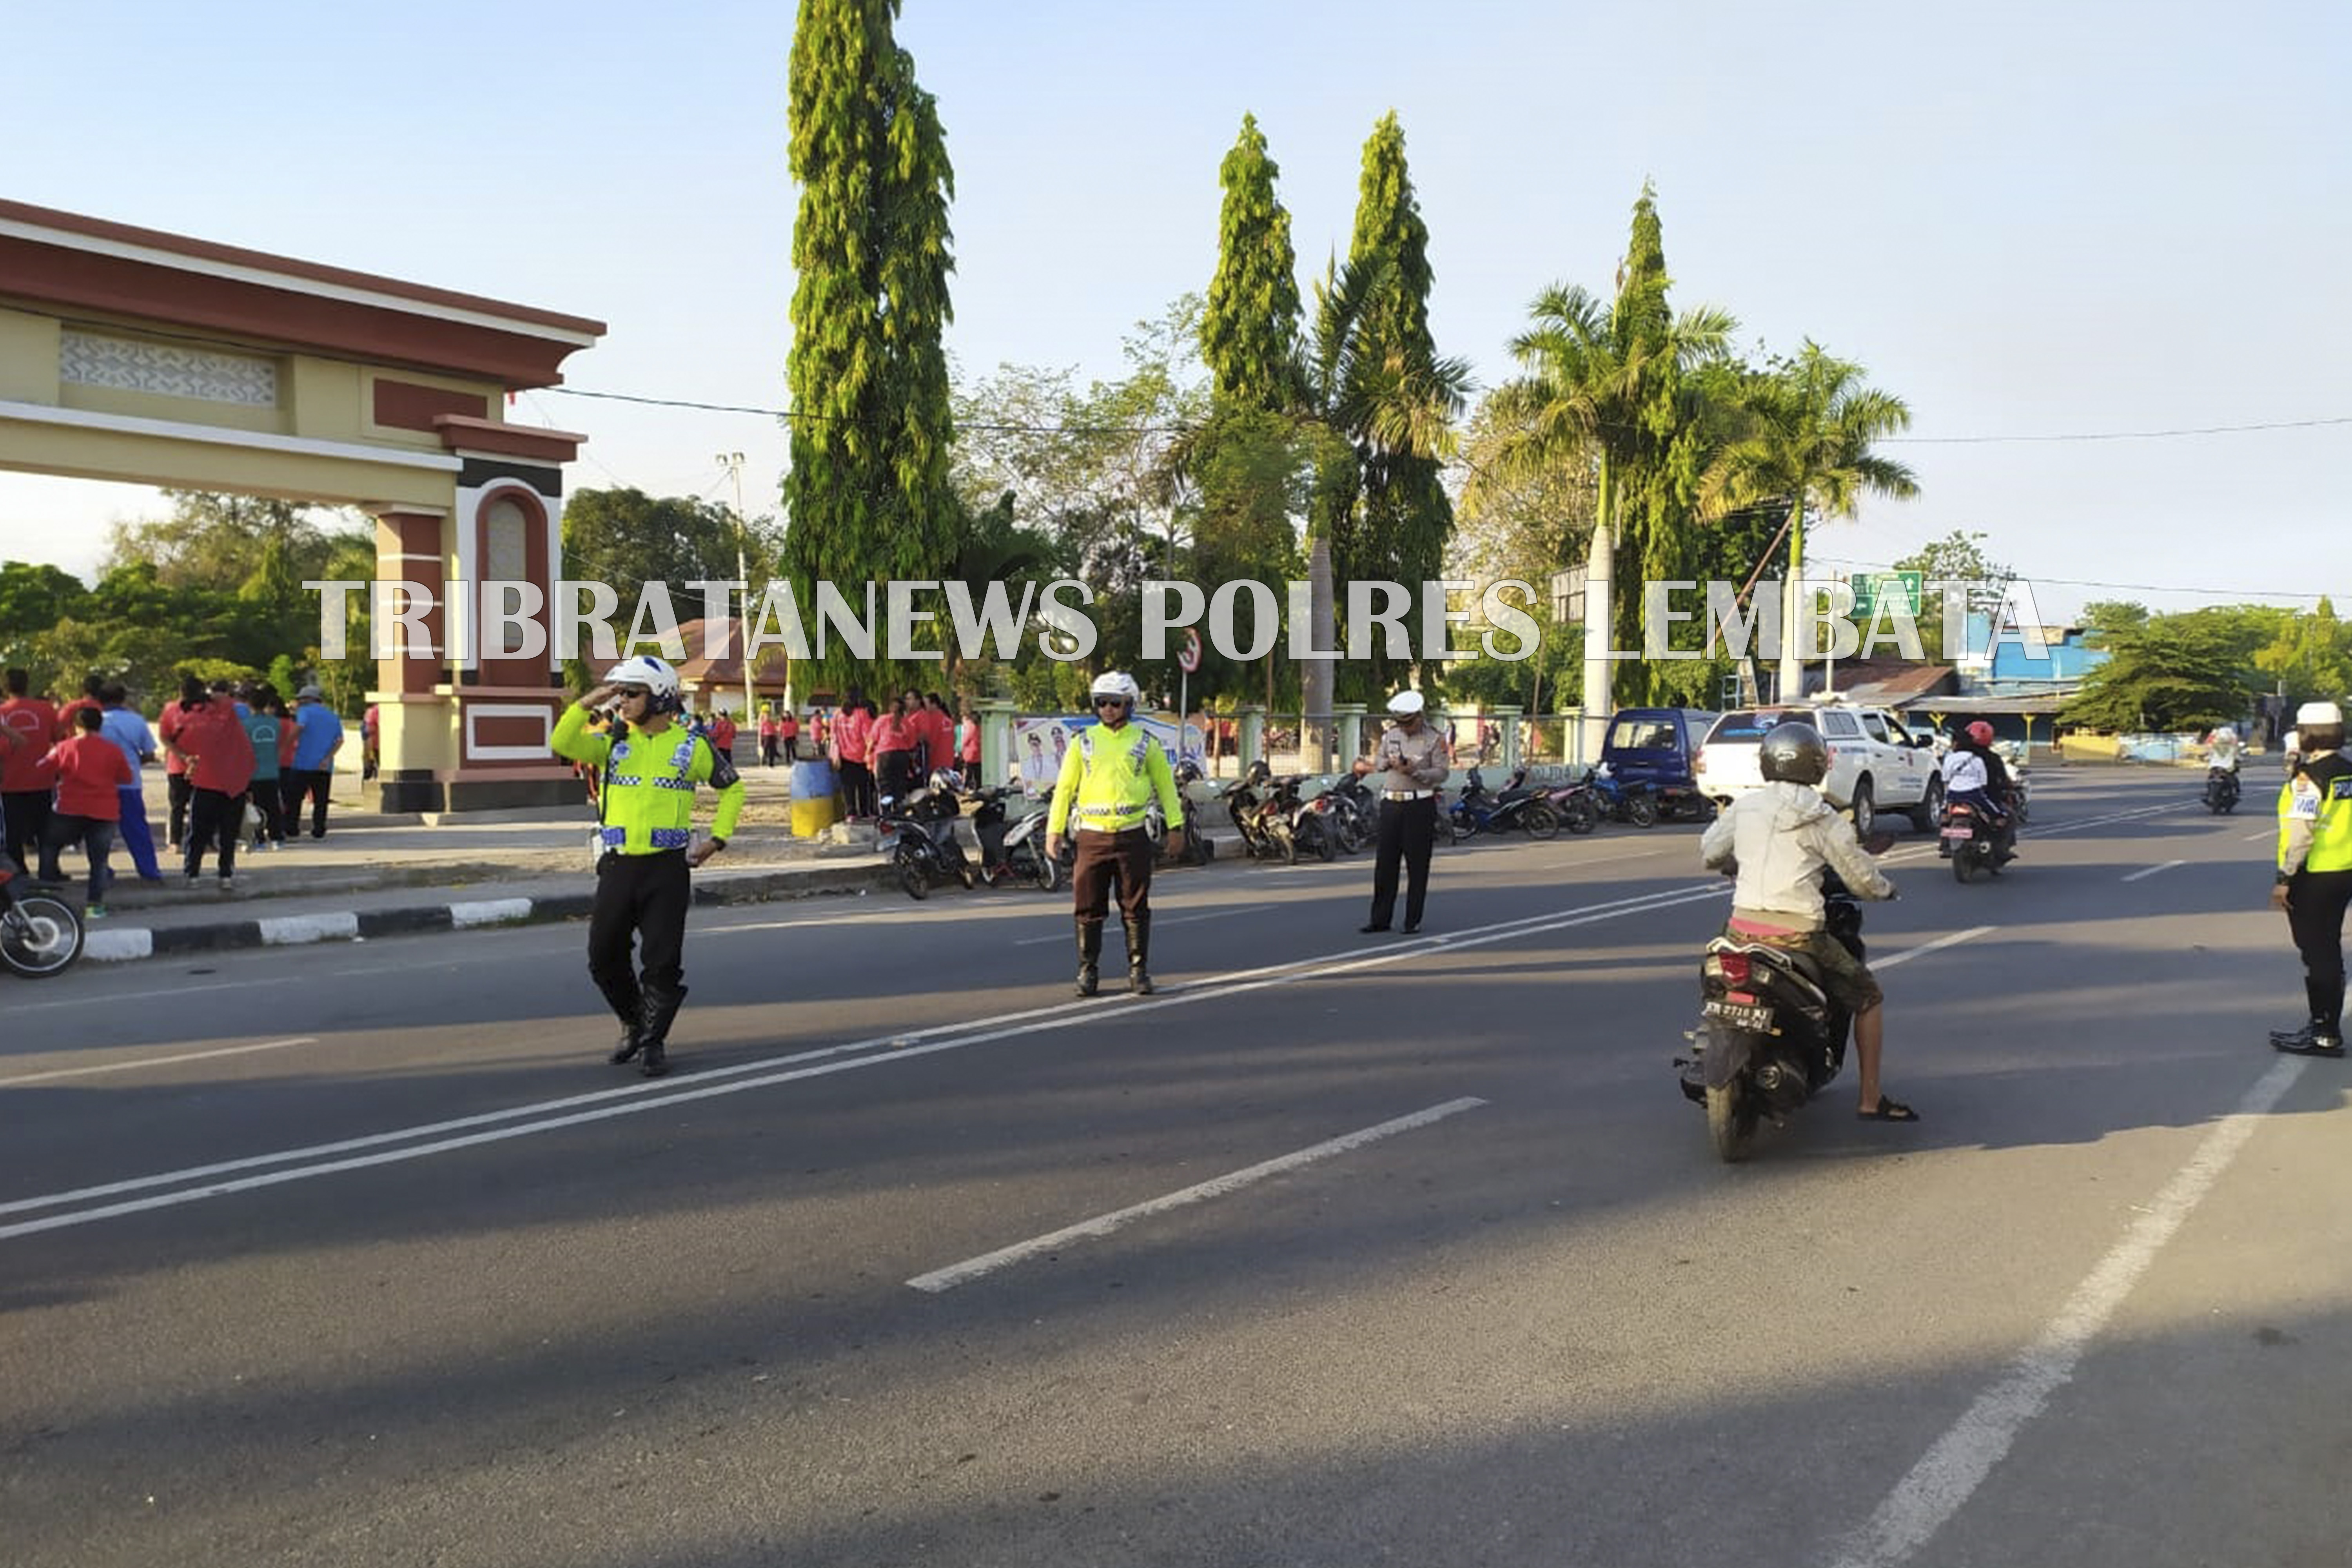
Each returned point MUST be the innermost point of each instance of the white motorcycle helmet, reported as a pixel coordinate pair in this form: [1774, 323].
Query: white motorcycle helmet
[1115, 684]
[946, 781]
[2225, 736]
[658, 678]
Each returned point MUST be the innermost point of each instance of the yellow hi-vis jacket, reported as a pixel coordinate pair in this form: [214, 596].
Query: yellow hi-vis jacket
[645, 797]
[1107, 781]
[2314, 812]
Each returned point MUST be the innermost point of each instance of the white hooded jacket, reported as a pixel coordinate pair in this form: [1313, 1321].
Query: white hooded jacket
[1781, 836]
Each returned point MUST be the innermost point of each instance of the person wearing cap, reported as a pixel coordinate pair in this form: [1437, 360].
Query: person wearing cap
[1106, 784]
[2315, 875]
[314, 772]
[1411, 760]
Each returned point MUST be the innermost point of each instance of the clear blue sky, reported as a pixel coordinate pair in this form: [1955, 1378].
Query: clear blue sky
[2065, 217]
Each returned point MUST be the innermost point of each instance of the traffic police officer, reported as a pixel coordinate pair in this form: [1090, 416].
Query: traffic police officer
[1109, 779]
[1411, 762]
[648, 765]
[2315, 875]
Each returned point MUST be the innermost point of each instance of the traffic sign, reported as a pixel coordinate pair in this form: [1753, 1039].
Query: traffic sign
[1189, 658]
[1898, 591]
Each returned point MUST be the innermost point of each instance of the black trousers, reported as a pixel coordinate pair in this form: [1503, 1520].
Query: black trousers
[858, 789]
[642, 898]
[2315, 902]
[1108, 861]
[96, 837]
[312, 783]
[1408, 833]
[893, 773]
[27, 812]
[182, 791]
[269, 799]
[214, 814]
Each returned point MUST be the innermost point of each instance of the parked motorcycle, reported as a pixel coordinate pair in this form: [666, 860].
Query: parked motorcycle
[1245, 807]
[2220, 791]
[1478, 810]
[1621, 802]
[1013, 852]
[917, 833]
[1578, 805]
[1769, 1035]
[1198, 851]
[1355, 814]
[39, 936]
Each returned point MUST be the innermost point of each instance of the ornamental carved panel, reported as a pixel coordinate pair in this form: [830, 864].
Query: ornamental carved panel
[128, 364]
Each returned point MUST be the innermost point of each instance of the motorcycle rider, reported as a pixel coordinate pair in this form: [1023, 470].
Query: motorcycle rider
[2315, 875]
[2222, 761]
[650, 765]
[1778, 840]
[1975, 775]
[1107, 782]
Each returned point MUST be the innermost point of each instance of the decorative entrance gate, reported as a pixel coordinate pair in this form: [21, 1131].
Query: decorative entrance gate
[131, 355]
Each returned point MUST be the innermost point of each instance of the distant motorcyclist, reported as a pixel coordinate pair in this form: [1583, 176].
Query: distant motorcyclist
[2222, 750]
[1779, 839]
[1975, 776]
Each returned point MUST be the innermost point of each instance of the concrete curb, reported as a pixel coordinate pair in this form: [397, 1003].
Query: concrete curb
[113, 944]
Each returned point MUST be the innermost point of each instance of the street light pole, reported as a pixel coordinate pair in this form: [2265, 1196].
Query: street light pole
[733, 463]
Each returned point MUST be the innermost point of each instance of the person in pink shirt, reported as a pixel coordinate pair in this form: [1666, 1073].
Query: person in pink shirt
[853, 738]
[895, 734]
[968, 743]
[219, 757]
[90, 772]
[175, 771]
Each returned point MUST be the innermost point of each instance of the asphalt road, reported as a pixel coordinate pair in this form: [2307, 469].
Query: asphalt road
[1402, 1250]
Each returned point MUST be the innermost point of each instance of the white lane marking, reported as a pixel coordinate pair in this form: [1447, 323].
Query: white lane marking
[2151, 871]
[1941, 943]
[2258, 837]
[971, 1268]
[652, 1097]
[156, 1061]
[1951, 1470]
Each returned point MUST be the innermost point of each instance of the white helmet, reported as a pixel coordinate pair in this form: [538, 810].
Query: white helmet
[1405, 702]
[651, 673]
[2225, 735]
[1115, 684]
[946, 781]
[2316, 715]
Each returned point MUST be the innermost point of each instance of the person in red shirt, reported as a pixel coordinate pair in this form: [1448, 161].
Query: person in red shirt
[895, 734]
[722, 735]
[175, 771]
[90, 772]
[68, 723]
[788, 735]
[219, 757]
[23, 788]
[968, 743]
[853, 737]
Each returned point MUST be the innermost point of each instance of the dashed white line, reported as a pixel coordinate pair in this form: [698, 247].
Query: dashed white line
[971, 1268]
[2151, 871]
[1944, 1479]
[1941, 943]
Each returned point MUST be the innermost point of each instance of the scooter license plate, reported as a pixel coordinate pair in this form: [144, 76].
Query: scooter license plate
[1960, 833]
[1752, 1016]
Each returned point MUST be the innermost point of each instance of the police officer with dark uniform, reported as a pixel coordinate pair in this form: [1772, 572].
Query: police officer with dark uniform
[1412, 761]
[2315, 875]
[648, 765]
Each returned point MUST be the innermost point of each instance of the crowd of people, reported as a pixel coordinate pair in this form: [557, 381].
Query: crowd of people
[241, 767]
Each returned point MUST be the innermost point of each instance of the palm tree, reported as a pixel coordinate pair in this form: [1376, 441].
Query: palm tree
[1807, 446]
[1365, 404]
[1597, 375]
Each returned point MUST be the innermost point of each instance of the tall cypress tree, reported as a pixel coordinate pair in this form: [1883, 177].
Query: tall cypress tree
[1249, 332]
[1400, 526]
[867, 495]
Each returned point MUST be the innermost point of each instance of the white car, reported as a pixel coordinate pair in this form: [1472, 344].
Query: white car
[1875, 764]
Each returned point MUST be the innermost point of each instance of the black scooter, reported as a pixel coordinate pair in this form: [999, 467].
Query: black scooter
[1769, 1035]
[2220, 791]
[917, 833]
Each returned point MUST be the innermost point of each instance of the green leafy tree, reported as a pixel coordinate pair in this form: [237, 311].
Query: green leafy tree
[1810, 445]
[1960, 557]
[1249, 329]
[1605, 384]
[2169, 673]
[33, 600]
[2310, 658]
[867, 495]
[2104, 615]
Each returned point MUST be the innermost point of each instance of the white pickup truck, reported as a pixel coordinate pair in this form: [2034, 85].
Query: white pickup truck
[1875, 764]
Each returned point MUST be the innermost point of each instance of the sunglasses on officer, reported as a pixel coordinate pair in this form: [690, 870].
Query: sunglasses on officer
[636, 693]
[1110, 702]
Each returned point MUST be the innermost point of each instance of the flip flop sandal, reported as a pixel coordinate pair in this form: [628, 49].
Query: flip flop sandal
[1896, 1110]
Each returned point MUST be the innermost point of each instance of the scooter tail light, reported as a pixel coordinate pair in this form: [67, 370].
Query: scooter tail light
[1734, 966]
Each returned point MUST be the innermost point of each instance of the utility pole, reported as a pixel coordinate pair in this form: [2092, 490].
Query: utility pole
[733, 463]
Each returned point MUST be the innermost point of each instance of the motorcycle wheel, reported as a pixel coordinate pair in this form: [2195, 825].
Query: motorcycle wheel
[911, 877]
[1290, 849]
[1326, 843]
[1047, 875]
[1578, 817]
[1964, 863]
[1540, 820]
[1730, 1123]
[1642, 811]
[41, 937]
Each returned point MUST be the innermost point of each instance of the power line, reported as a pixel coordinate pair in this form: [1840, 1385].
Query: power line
[2114, 434]
[2124, 587]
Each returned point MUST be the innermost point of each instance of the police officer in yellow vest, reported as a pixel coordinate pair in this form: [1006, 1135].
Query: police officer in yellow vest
[648, 765]
[1109, 779]
[2315, 875]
